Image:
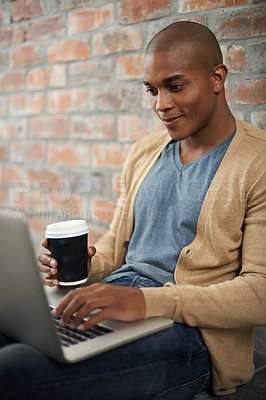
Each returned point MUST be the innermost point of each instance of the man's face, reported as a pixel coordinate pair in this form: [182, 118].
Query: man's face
[181, 91]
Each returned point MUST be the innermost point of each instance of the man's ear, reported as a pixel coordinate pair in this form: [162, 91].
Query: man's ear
[219, 74]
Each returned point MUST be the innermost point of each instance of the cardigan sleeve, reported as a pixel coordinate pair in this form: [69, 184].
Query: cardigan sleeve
[236, 303]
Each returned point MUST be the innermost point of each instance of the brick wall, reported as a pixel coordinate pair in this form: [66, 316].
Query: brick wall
[72, 102]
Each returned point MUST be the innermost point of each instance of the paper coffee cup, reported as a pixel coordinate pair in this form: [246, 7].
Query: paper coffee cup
[68, 241]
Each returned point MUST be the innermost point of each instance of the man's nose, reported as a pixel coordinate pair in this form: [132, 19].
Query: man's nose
[163, 101]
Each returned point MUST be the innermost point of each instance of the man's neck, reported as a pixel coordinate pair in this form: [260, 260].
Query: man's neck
[197, 145]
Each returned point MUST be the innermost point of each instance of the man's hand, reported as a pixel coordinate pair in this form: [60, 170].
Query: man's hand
[49, 264]
[115, 302]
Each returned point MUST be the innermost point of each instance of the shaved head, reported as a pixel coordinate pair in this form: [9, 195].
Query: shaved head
[198, 40]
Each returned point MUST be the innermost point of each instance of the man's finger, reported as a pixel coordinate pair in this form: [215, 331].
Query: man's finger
[95, 319]
[91, 251]
[50, 281]
[88, 307]
[65, 305]
[46, 259]
[47, 270]
[45, 244]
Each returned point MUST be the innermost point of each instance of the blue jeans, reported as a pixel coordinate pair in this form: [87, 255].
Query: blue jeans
[171, 364]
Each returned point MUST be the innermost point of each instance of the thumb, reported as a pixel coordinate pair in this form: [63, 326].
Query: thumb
[91, 251]
[45, 244]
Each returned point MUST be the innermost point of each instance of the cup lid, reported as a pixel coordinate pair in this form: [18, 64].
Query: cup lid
[65, 229]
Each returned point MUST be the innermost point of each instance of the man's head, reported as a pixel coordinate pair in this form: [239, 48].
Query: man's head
[184, 74]
[196, 37]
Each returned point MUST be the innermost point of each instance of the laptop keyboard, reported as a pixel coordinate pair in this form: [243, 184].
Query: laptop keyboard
[68, 336]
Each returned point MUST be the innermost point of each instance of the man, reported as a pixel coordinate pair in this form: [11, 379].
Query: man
[187, 237]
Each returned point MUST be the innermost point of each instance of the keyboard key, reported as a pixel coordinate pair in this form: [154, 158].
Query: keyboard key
[70, 337]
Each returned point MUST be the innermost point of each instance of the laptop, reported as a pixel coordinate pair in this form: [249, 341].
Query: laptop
[25, 305]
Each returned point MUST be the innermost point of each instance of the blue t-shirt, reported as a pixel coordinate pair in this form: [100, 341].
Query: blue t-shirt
[166, 212]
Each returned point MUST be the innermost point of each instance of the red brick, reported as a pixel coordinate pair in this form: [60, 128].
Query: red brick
[46, 29]
[67, 100]
[4, 152]
[68, 50]
[236, 26]
[43, 177]
[28, 151]
[234, 58]
[114, 99]
[12, 174]
[91, 71]
[25, 56]
[252, 91]
[255, 24]
[233, 3]
[259, 22]
[26, 9]
[49, 127]
[130, 66]
[117, 40]
[3, 106]
[12, 81]
[138, 10]
[94, 127]
[14, 128]
[54, 76]
[198, 5]
[3, 196]
[103, 210]
[90, 18]
[12, 35]
[69, 153]
[112, 155]
[37, 78]
[25, 104]
[132, 128]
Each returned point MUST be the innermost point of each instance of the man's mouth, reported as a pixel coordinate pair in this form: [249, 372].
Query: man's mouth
[171, 121]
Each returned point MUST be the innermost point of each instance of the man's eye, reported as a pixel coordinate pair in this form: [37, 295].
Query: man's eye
[176, 87]
[152, 91]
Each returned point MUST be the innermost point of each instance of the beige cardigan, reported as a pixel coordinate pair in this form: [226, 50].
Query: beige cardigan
[221, 276]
